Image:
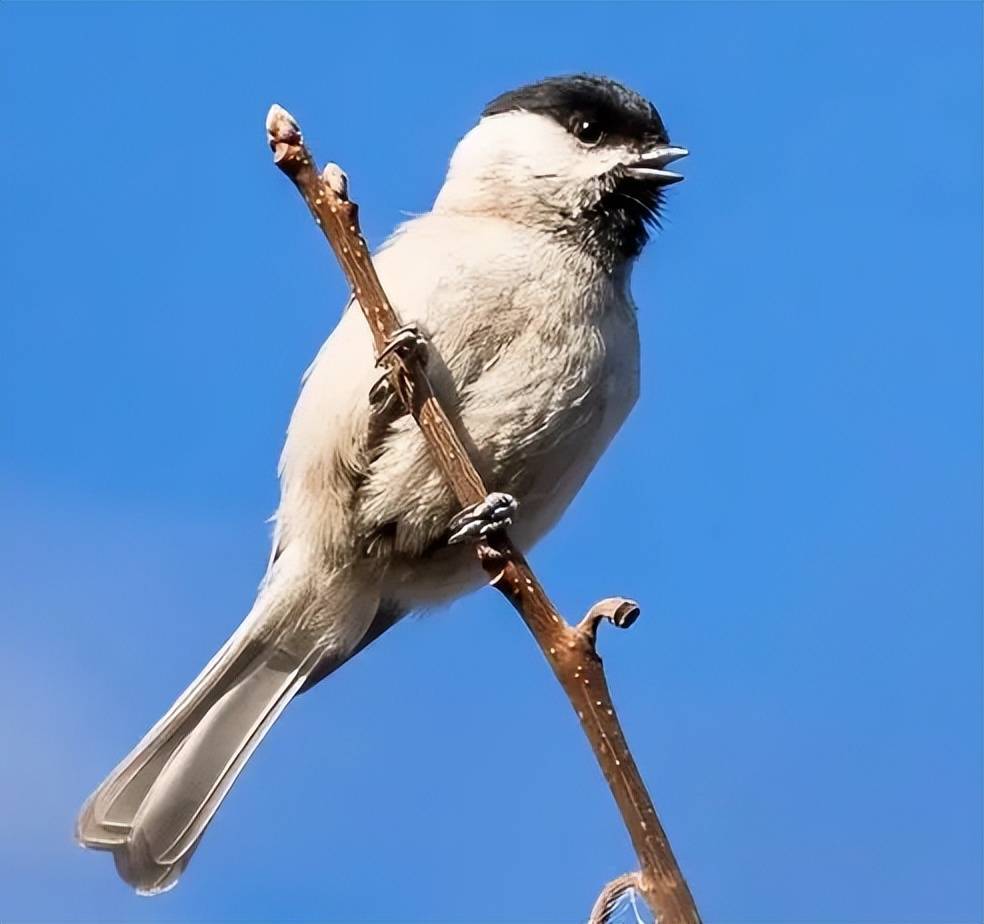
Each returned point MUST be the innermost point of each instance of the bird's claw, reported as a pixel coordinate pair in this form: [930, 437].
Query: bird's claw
[381, 394]
[480, 520]
[405, 342]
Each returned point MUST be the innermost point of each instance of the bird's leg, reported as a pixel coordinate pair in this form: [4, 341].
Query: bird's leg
[480, 520]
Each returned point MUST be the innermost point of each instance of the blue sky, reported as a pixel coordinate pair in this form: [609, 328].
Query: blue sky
[796, 500]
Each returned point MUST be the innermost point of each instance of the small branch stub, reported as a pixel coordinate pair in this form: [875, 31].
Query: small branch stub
[569, 650]
[619, 611]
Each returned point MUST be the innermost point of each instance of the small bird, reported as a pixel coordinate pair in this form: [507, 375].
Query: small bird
[518, 282]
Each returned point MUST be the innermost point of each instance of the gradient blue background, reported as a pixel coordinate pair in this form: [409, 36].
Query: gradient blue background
[796, 501]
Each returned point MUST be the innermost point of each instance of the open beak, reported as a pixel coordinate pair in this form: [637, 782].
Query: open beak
[651, 167]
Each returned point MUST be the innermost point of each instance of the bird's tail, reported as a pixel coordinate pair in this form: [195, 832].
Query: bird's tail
[154, 807]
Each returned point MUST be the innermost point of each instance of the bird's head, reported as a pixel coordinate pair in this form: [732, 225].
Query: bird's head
[580, 155]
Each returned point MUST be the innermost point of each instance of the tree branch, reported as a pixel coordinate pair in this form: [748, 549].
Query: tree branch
[570, 650]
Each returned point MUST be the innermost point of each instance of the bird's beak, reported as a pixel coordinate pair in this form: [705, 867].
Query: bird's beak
[651, 166]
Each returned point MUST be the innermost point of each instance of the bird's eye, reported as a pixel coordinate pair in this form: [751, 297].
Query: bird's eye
[588, 133]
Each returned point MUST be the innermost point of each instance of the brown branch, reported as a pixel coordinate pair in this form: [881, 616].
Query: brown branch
[570, 650]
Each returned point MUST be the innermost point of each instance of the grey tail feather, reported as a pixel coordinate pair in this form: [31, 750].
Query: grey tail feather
[154, 807]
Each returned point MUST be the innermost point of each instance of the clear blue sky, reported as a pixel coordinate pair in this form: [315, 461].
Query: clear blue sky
[796, 501]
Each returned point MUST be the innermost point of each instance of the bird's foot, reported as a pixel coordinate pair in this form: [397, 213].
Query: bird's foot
[406, 342]
[382, 395]
[477, 522]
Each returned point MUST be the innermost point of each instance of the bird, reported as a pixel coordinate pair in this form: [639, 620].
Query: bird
[517, 285]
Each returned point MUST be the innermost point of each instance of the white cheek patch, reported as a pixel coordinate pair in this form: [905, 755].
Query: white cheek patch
[529, 156]
[520, 141]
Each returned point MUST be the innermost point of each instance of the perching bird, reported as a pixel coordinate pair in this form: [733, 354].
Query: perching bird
[519, 277]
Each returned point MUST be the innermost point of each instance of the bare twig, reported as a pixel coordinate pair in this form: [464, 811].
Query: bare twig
[569, 650]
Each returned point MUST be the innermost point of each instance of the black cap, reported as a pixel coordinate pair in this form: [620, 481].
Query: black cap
[621, 113]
